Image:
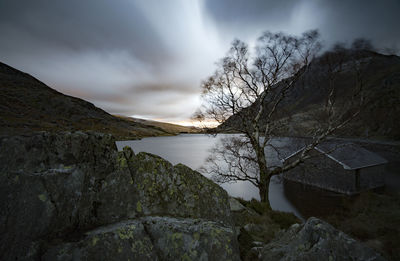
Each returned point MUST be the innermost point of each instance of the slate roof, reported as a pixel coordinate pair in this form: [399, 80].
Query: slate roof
[349, 155]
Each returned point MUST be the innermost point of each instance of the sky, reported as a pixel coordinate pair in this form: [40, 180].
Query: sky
[147, 58]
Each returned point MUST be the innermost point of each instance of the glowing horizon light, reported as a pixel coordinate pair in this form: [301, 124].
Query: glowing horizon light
[206, 124]
[188, 122]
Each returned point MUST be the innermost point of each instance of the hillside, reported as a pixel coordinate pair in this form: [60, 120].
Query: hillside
[27, 105]
[168, 127]
[380, 118]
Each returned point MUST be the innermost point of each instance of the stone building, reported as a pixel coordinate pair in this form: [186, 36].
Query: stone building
[344, 168]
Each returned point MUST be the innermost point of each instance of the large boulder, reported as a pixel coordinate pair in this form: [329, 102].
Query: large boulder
[177, 190]
[151, 238]
[54, 187]
[120, 241]
[312, 241]
[49, 186]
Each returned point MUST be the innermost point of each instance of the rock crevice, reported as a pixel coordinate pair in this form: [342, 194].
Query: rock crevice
[54, 187]
[73, 196]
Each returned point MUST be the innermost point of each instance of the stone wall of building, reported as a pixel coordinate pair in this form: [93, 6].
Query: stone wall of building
[372, 177]
[323, 172]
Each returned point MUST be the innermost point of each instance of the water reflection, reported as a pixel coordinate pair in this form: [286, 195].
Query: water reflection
[193, 149]
[302, 200]
[312, 201]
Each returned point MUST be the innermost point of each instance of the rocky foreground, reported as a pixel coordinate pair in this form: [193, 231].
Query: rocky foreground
[72, 196]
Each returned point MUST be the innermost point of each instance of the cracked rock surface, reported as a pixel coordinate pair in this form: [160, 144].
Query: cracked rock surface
[315, 240]
[151, 238]
[72, 196]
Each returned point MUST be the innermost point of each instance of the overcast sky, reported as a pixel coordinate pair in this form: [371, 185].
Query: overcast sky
[147, 58]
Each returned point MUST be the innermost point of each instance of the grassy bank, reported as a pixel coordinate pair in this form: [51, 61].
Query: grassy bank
[373, 219]
[258, 223]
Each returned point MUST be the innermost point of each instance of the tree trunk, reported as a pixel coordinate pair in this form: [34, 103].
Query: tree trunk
[263, 188]
[264, 177]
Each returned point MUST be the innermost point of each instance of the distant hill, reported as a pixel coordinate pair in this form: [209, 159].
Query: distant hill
[168, 127]
[380, 118]
[27, 105]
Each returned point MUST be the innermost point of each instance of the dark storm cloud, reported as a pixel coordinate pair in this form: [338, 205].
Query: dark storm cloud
[159, 88]
[149, 105]
[79, 26]
[255, 11]
[339, 20]
[376, 20]
[247, 19]
[148, 57]
[114, 53]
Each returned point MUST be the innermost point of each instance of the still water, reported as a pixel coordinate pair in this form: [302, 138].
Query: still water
[193, 149]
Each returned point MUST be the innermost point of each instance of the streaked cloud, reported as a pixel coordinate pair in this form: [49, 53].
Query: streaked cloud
[148, 57]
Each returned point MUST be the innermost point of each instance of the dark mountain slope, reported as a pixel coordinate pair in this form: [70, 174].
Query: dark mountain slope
[27, 105]
[380, 76]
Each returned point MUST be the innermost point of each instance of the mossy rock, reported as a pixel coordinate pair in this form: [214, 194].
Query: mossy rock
[56, 184]
[315, 239]
[164, 189]
[152, 238]
[122, 241]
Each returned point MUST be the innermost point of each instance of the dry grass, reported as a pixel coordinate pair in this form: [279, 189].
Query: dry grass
[262, 224]
[374, 219]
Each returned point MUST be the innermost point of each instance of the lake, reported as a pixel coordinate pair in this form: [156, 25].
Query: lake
[193, 149]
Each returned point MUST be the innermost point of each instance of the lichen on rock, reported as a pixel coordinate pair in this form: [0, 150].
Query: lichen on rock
[58, 186]
[313, 240]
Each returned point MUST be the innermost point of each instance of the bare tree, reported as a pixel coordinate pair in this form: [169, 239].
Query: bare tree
[362, 44]
[255, 89]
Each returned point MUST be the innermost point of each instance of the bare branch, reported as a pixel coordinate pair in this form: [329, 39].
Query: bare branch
[250, 94]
